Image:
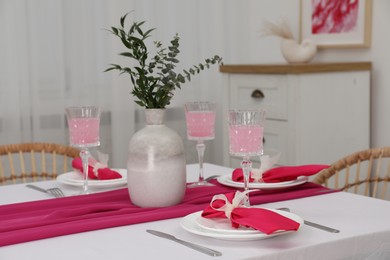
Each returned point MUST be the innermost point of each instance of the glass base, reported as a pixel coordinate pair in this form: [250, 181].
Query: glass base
[85, 192]
[87, 145]
[199, 184]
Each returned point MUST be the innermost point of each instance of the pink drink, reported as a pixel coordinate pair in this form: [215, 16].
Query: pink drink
[200, 125]
[246, 139]
[84, 131]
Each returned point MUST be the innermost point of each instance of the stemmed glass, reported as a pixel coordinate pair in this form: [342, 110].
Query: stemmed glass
[246, 129]
[83, 123]
[200, 118]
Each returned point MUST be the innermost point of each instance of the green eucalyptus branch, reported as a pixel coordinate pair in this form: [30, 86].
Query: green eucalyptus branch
[154, 80]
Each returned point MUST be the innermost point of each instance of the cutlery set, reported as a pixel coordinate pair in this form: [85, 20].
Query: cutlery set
[57, 192]
[213, 252]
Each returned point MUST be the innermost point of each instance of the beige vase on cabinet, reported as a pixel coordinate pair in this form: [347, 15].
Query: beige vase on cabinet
[294, 52]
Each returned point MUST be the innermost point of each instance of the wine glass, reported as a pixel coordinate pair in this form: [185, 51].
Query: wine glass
[200, 118]
[246, 129]
[83, 123]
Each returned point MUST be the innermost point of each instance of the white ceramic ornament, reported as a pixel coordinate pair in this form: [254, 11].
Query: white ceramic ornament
[294, 52]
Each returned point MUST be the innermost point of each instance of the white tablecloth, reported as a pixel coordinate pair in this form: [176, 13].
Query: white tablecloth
[364, 223]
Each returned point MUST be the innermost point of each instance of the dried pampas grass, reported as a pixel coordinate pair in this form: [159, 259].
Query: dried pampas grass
[281, 29]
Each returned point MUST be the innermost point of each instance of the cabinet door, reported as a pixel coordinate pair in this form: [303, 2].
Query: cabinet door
[272, 87]
[329, 115]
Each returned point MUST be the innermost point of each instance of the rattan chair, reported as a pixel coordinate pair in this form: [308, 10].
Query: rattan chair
[365, 172]
[29, 162]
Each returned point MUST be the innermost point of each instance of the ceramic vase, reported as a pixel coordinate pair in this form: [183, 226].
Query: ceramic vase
[294, 52]
[156, 166]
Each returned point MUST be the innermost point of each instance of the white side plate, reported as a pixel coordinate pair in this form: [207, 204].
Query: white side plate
[227, 180]
[74, 178]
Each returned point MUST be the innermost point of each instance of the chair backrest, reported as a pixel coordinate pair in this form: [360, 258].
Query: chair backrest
[29, 162]
[365, 172]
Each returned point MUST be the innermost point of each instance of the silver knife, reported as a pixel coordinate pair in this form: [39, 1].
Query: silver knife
[199, 248]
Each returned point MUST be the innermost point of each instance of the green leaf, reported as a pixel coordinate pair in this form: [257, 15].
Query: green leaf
[139, 31]
[126, 43]
[111, 68]
[114, 30]
[122, 20]
[127, 54]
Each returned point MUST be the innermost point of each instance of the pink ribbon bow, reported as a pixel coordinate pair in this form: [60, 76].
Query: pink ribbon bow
[96, 171]
[229, 206]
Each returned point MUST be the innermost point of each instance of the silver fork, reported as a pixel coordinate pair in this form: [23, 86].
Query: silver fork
[56, 192]
[316, 225]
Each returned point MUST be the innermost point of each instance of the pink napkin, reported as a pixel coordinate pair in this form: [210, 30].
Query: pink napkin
[284, 173]
[28, 221]
[229, 206]
[104, 173]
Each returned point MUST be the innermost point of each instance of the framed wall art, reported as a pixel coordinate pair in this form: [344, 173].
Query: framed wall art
[336, 23]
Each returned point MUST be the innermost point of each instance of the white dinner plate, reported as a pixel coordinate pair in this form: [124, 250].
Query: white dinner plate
[76, 179]
[191, 224]
[227, 180]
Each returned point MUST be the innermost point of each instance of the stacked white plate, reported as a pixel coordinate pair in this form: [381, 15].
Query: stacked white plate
[227, 180]
[222, 229]
[74, 178]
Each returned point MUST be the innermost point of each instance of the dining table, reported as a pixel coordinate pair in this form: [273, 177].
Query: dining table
[363, 222]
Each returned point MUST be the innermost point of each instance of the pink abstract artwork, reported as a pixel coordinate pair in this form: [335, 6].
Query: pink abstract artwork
[334, 16]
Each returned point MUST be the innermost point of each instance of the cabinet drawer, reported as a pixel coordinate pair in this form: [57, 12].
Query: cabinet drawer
[274, 88]
[275, 138]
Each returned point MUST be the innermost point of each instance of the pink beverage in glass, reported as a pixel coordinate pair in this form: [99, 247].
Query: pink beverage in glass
[246, 139]
[200, 125]
[84, 131]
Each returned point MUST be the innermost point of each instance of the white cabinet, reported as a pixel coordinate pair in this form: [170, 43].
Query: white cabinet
[316, 113]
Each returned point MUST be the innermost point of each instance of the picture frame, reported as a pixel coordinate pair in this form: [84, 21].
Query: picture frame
[327, 27]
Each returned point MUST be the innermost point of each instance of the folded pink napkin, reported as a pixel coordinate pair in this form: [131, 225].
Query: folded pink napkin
[230, 206]
[284, 173]
[103, 173]
[28, 221]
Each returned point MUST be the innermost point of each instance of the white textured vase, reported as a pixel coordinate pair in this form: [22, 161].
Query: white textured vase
[156, 167]
[294, 52]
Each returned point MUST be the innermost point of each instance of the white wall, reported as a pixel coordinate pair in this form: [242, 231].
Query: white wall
[31, 62]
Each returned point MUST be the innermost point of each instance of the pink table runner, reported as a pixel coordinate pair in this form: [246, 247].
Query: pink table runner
[28, 221]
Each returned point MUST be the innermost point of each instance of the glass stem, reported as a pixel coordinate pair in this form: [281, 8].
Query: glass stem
[84, 154]
[246, 165]
[200, 147]
[261, 157]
